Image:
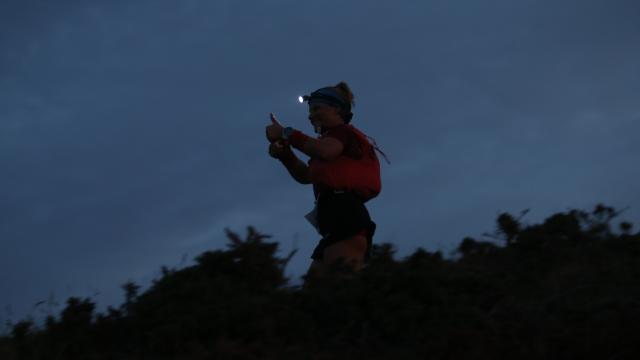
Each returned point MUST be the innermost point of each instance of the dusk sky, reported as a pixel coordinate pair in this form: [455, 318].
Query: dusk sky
[132, 132]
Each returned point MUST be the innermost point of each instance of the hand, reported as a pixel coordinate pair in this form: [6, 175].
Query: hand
[274, 130]
[277, 149]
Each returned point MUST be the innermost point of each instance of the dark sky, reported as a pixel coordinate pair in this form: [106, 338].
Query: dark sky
[132, 132]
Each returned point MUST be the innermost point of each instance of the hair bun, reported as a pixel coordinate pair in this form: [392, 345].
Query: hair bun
[344, 89]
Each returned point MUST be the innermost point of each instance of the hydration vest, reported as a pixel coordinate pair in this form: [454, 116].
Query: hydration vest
[361, 175]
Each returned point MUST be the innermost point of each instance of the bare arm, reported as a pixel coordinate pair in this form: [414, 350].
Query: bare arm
[297, 168]
[326, 148]
[299, 171]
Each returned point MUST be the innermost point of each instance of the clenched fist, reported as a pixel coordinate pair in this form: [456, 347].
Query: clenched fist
[277, 149]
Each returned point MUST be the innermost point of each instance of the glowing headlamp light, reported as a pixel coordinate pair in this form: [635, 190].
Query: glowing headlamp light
[303, 98]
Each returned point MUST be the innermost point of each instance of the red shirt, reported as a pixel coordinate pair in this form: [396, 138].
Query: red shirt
[355, 169]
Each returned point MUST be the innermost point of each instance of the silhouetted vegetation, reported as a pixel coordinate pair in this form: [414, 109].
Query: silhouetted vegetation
[564, 289]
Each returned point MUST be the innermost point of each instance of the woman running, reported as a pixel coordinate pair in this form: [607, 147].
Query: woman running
[345, 173]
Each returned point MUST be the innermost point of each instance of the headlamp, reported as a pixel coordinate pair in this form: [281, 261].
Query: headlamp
[327, 96]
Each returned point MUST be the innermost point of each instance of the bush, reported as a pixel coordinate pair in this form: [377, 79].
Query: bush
[566, 288]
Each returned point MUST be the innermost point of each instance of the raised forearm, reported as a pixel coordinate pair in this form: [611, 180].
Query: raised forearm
[297, 168]
[299, 171]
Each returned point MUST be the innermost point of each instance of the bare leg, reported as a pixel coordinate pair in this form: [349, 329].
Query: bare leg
[351, 250]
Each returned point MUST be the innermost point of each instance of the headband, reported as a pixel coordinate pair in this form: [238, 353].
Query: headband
[328, 96]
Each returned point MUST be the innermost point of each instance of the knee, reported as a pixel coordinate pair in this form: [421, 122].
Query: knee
[350, 251]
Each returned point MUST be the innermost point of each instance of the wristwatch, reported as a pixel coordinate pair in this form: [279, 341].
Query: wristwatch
[286, 132]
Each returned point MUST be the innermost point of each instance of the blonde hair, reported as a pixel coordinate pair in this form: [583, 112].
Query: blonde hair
[344, 90]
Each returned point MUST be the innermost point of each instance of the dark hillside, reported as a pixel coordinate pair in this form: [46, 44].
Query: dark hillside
[568, 288]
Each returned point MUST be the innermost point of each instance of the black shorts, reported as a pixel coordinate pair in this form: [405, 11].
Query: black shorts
[342, 215]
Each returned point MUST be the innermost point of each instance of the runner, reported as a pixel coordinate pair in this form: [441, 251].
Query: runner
[345, 173]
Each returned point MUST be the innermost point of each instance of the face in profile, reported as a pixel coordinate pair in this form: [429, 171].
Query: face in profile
[322, 115]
